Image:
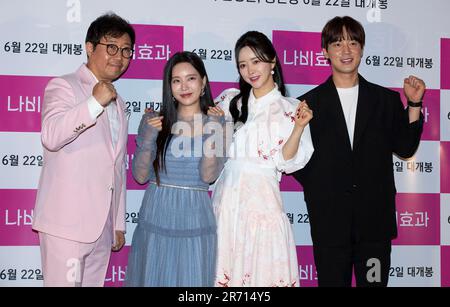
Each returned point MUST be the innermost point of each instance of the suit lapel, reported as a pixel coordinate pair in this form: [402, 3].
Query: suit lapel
[336, 114]
[89, 82]
[122, 123]
[107, 130]
[363, 110]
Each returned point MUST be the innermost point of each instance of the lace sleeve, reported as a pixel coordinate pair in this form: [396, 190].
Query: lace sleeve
[215, 145]
[145, 149]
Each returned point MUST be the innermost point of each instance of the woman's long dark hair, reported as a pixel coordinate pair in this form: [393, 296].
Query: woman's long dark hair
[265, 52]
[169, 106]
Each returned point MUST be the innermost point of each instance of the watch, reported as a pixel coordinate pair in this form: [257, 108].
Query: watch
[415, 104]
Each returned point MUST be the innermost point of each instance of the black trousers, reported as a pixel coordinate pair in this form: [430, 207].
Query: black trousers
[370, 262]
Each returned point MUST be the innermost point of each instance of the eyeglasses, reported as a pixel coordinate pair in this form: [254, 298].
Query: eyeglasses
[112, 50]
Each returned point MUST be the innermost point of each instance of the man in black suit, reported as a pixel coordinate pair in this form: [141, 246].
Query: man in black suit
[349, 182]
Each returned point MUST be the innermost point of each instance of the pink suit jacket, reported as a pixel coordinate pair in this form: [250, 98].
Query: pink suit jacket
[83, 175]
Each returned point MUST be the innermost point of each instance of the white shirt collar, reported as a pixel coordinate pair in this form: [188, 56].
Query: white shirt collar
[267, 98]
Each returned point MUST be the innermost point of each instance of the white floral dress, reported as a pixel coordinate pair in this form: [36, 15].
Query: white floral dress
[256, 247]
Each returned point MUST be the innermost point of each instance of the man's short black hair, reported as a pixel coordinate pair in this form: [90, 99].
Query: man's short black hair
[109, 24]
[334, 31]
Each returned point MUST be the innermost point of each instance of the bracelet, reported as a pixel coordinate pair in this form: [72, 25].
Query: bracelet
[415, 104]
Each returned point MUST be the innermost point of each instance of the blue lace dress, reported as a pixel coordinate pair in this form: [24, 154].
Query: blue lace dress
[175, 241]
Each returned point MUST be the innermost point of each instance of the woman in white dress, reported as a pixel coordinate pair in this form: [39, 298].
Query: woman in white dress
[256, 247]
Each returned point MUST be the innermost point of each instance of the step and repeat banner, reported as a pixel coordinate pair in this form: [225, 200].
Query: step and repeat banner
[43, 39]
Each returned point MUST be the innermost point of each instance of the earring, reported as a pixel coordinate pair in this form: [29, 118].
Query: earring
[272, 72]
[203, 92]
[173, 99]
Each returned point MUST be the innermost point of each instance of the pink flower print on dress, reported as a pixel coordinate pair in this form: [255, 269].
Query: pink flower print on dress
[289, 115]
[225, 281]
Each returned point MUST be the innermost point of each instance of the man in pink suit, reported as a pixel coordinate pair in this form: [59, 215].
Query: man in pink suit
[80, 205]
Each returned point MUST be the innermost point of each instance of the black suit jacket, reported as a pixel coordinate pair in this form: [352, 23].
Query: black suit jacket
[350, 194]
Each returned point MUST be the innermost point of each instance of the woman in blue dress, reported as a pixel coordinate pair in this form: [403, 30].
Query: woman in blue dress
[175, 241]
